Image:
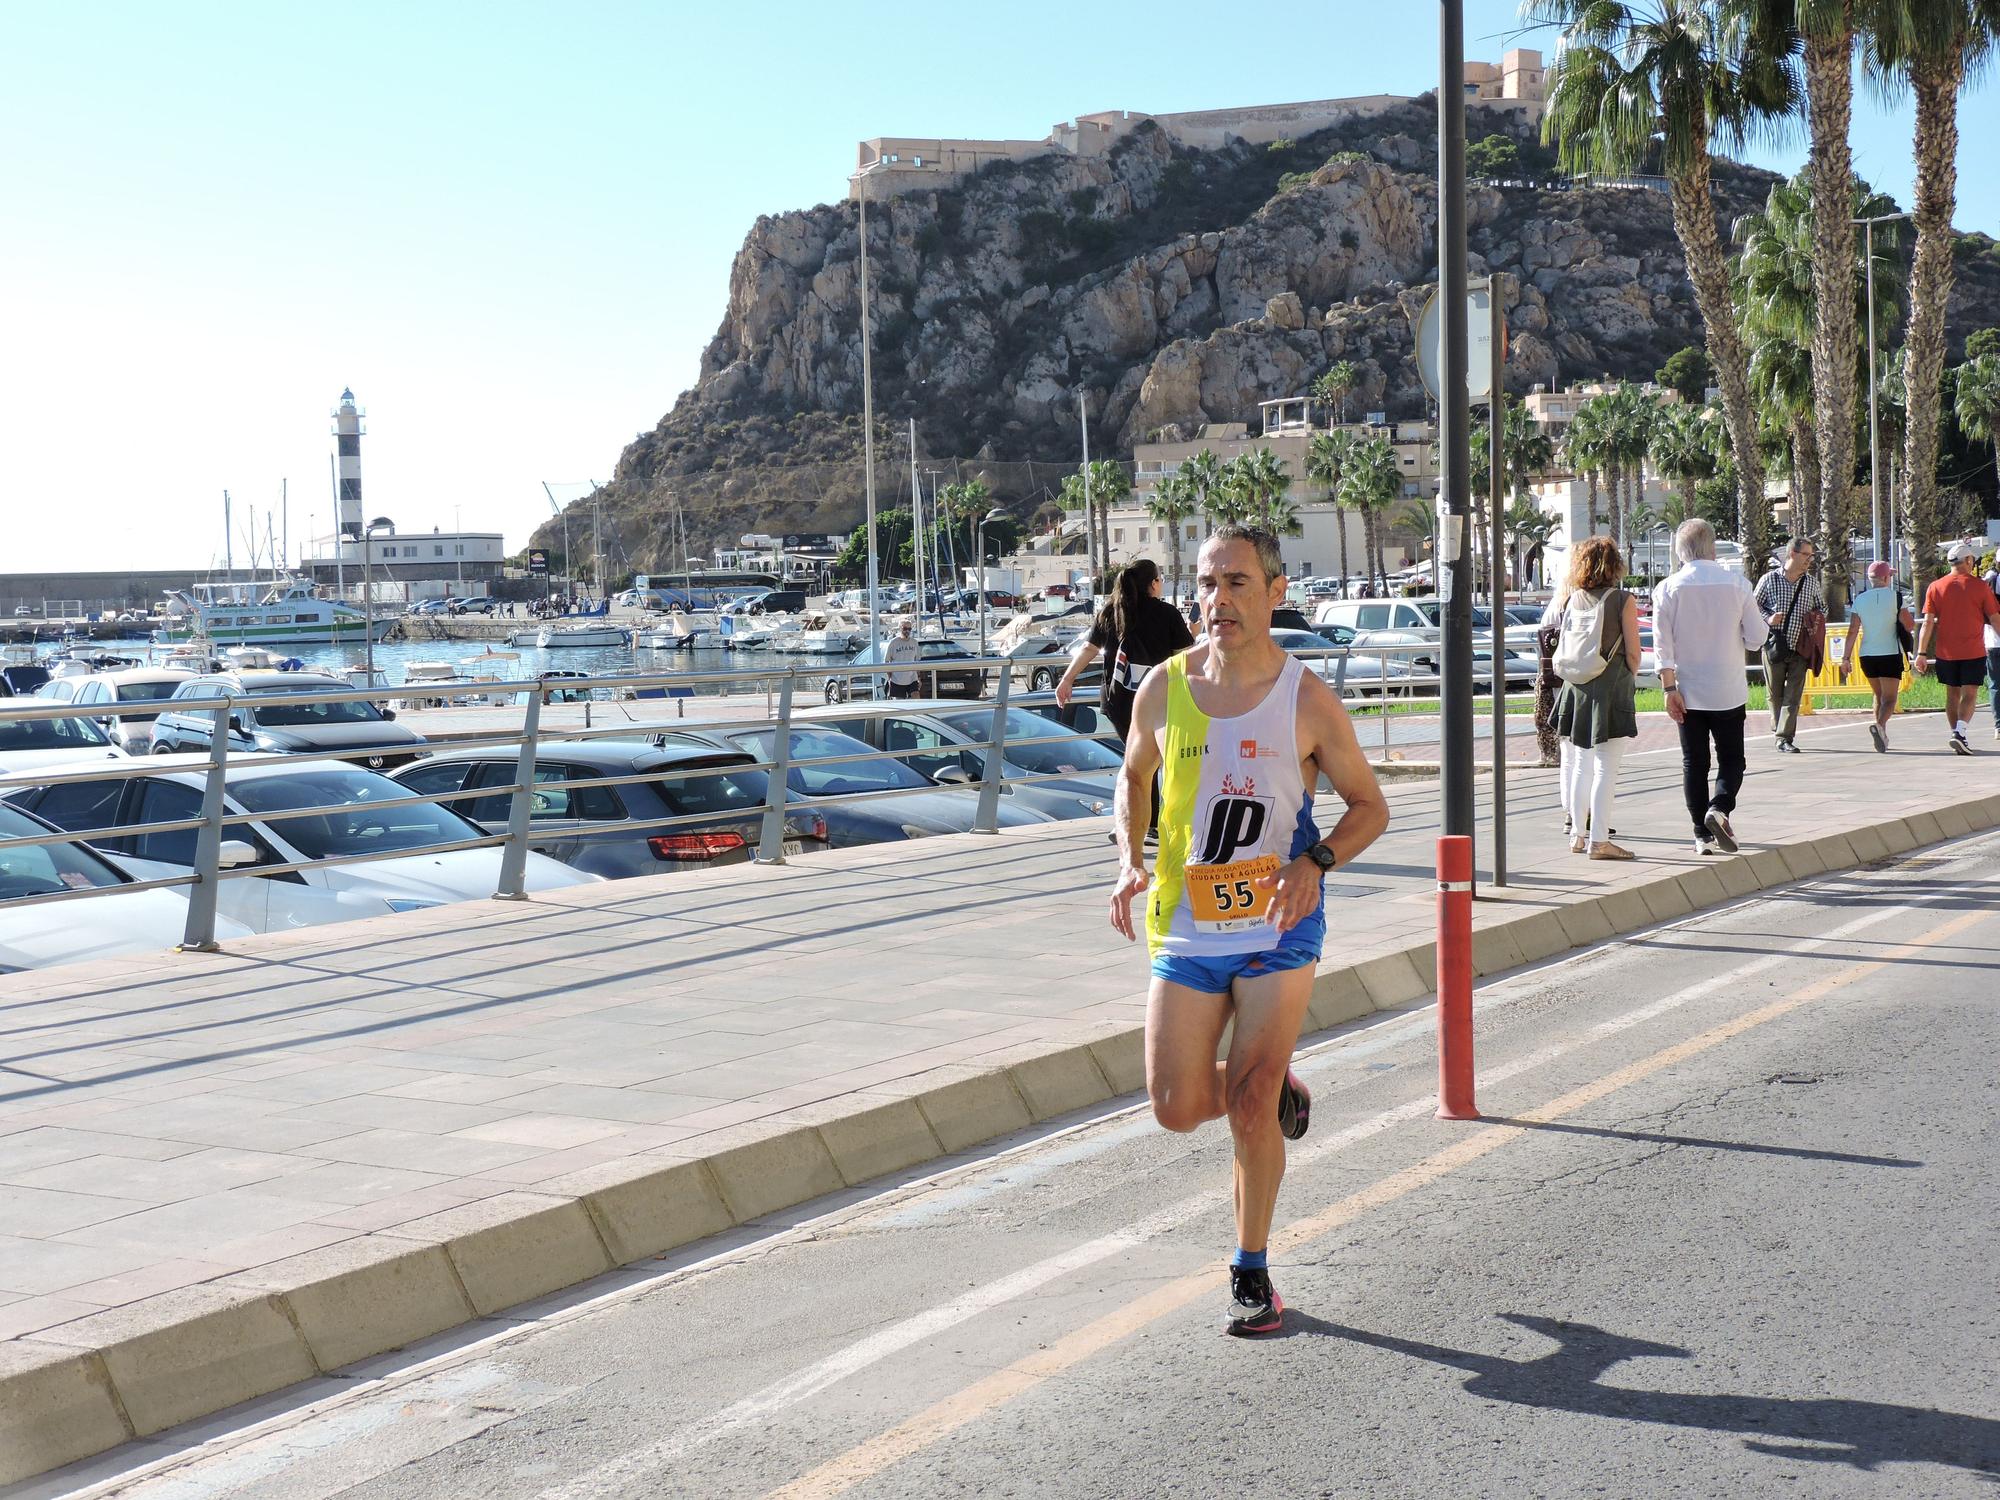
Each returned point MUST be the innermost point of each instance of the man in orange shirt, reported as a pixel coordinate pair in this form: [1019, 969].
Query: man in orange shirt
[1956, 607]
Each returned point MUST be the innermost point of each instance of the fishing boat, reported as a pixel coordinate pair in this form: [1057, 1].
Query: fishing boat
[281, 614]
[554, 637]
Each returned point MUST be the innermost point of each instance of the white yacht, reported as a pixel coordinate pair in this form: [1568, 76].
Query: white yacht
[286, 613]
[551, 637]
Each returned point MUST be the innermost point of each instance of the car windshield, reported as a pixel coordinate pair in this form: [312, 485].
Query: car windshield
[1433, 611]
[731, 791]
[809, 780]
[1076, 755]
[44, 869]
[50, 734]
[286, 715]
[353, 823]
[146, 692]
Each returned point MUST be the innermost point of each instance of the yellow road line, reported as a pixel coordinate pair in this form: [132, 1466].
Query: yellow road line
[933, 1424]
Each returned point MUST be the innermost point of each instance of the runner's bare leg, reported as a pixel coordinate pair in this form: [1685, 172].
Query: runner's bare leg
[1183, 1079]
[1270, 1009]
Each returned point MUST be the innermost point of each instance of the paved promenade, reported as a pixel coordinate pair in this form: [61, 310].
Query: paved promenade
[220, 1174]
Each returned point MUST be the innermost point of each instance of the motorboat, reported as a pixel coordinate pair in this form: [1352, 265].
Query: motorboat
[253, 659]
[836, 634]
[284, 613]
[555, 637]
[679, 631]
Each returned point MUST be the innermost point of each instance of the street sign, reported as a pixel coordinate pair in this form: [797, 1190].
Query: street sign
[1479, 345]
[538, 561]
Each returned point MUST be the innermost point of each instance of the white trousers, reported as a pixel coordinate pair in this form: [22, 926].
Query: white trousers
[1590, 785]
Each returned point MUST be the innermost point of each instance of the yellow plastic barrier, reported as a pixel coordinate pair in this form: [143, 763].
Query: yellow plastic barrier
[1828, 679]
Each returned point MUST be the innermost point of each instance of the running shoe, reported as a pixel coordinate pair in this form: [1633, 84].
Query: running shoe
[1254, 1304]
[1295, 1106]
[1959, 745]
[1881, 740]
[1720, 831]
[1703, 844]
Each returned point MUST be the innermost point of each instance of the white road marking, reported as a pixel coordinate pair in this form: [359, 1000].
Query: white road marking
[235, 1465]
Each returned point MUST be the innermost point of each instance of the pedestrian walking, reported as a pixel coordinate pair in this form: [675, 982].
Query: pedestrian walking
[1705, 621]
[1795, 608]
[1960, 611]
[1880, 632]
[1234, 914]
[1134, 632]
[1596, 659]
[1546, 683]
[902, 651]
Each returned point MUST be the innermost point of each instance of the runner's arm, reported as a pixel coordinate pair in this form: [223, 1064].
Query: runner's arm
[1333, 752]
[1084, 656]
[1135, 798]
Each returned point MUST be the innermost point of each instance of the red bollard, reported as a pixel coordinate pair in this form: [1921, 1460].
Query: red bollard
[1454, 979]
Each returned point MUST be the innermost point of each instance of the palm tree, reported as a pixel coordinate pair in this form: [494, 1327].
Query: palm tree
[1203, 474]
[1282, 517]
[1774, 286]
[1264, 479]
[1635, 417]
[1171, 504]
[1688, 448]
[1337, 384]
[1110, 486]
[1978, 404]
[1229, 501]
[1587, 446]
[1676, 76]
[1327, 456]
[1372, 482]
[1930, 45]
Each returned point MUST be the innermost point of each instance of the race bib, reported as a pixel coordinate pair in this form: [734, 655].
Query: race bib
[1227, 898]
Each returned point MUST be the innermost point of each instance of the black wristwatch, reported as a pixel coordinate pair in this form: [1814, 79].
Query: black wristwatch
[1322, 856]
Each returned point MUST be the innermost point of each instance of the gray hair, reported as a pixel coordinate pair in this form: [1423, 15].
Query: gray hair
[1695, 541]
[1799, 544]
[1270, 554]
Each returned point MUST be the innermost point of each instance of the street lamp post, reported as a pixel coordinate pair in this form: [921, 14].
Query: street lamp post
[1874, 401]
[984, 521]
[380, 523]
[868, 425]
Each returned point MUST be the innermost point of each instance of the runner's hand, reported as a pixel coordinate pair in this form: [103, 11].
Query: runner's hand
[1062, 692]
[1297, 886]
[1132, 881]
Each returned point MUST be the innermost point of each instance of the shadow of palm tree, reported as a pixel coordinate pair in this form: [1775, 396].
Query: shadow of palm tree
[1823, 1429]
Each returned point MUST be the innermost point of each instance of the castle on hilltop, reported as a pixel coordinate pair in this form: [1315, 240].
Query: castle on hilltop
[900, 164]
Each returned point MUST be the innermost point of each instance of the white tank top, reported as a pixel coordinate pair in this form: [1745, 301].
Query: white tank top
[1233, 806]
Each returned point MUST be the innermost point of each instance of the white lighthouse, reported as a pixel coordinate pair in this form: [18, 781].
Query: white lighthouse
[347, 431]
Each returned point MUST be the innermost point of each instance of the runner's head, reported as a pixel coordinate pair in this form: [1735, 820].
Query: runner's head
[1964, 557]
[1240, 579]
[903, 627]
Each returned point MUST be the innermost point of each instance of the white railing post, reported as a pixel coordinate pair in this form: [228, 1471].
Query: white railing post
[987, 819]
[200, 934]
[520, 811]
[771, 842]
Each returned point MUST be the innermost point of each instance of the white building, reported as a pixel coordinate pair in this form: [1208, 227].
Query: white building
[420, 565]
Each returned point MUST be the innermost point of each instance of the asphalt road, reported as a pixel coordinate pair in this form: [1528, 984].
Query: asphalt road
[1726, 1230]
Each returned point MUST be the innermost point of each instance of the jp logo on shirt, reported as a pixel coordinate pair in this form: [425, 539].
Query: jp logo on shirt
[1234, 824]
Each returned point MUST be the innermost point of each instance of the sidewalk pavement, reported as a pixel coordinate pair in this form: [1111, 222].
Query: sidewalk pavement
[222, 1174]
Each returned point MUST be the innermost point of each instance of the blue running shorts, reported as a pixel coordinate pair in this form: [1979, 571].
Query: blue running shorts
[1212, 973]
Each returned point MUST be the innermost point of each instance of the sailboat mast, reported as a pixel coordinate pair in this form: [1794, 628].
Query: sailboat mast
[228, 544]
[917, 532]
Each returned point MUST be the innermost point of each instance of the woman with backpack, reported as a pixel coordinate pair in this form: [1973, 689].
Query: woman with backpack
[1880, 632]
[1596, 658]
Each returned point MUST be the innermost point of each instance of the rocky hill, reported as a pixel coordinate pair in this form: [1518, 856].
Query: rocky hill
[1170, 287]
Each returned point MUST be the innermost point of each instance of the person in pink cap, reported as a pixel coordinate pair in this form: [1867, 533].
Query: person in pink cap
[1880, 630]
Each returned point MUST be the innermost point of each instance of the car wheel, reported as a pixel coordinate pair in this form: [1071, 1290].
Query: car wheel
[1043, 680]
[836, 690]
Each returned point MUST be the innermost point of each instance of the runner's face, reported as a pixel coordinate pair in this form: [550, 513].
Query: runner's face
[1236, 598]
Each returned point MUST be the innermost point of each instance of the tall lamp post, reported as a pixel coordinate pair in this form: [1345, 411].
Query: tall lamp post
[1874, 400]
[380, 523]
[996, 514]
[868, 424]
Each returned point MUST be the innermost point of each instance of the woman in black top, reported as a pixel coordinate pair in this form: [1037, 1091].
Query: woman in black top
[1136, 631]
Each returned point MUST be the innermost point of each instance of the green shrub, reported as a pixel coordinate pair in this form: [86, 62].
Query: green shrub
[1282, 144]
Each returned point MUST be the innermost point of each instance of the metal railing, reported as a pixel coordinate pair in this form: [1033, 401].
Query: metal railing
[1369, 679]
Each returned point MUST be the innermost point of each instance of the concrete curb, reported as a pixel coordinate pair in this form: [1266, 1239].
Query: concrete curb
[86, 1386]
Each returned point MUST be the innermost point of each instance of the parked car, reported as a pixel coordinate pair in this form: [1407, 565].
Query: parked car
[63, 932]
[29, 744]
[941, 732]
[926, 810]
[1042, 659]
[941, 682]
[431, 607]
[479, 604]
[133, 731]
[283, 728]
[572, 824]
[416, 875]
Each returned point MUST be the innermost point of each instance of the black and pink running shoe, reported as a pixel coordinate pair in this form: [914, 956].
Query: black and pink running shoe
[1254, 1304]
[1295, 1106]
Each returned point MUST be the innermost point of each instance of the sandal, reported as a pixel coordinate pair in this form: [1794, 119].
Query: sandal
[1610, 851]
[1577, 845]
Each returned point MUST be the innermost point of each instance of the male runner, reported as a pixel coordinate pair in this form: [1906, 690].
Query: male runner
[1240, 733]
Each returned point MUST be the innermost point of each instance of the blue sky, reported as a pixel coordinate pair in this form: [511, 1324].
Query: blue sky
[509, 227]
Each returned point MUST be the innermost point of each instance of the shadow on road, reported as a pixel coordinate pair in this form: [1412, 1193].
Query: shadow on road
[1655, 1138]
[1825, 1429]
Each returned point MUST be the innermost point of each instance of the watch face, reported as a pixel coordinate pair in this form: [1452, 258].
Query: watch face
[1321, 856]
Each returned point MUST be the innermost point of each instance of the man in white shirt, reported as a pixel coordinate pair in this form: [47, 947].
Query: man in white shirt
[1705, 622]
[903, 652]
